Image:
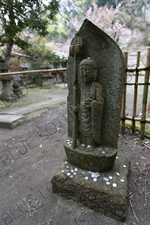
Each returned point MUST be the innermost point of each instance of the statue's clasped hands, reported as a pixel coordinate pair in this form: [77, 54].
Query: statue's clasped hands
[88, 102]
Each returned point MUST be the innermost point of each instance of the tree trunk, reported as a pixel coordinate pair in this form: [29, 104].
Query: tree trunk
[7, 52]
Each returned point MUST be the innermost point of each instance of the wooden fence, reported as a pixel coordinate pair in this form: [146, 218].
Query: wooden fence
[136, 72]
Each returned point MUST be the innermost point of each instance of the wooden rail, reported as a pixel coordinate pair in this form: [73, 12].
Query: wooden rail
[32, 71]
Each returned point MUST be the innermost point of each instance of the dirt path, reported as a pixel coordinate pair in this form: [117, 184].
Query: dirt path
[28, 156]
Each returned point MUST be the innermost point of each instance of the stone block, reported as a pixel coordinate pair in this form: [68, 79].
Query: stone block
[100, 159]
[10, 121]
[103, 192]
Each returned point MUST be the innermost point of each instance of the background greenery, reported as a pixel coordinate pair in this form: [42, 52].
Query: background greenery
[37, 27]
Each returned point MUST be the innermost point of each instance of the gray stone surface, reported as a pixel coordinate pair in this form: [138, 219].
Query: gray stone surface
[13, 115]
[95, 74]
[110, 74]
[104, 192]
[36, 106]
[10, 121]
[100, 159]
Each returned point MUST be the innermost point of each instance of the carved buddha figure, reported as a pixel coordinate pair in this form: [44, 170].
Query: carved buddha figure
[91, 106]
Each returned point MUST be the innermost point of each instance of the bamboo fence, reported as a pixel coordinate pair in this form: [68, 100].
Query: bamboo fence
[136, 72]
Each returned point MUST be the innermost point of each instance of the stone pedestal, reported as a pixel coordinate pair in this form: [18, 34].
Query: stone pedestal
[99, 159]
[47, 80]
[7, 92]
[104, 192]
[17, 90]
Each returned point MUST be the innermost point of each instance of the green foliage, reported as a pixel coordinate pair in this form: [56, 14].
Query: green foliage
[28, 15]
[134, 16]
[128, 125]
[109, 3]
[64, 26]
[39, 54]
[118, 18]
[146, 41]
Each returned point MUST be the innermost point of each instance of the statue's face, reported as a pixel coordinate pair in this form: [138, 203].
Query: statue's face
[87, 73]
[76, 48]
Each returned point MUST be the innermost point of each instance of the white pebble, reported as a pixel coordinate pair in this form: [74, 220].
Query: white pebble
[95, 174]
[108, 183]
[122, 180]
[95, 179]
[106, 179]
[114, 185]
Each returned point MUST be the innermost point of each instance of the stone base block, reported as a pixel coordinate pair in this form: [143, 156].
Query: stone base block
[104, 192]
[10, 121]
[99, 159]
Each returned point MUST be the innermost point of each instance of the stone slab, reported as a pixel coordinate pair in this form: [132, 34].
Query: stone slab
[99, 159]
[10, 121]
[35, 106]
[104, 192]
[10, 118]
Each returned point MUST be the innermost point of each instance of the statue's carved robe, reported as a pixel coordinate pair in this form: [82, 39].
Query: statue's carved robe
[91, 114]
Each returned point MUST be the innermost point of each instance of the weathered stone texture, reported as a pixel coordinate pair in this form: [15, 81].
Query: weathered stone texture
[95, 74]
[100, 159]
[104, 192]
[110, 62]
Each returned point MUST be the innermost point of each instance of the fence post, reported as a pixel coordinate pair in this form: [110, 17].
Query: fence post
[145, 94]
[123, 107]
[135, 91]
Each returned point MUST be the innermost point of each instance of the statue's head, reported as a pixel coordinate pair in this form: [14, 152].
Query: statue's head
[75, 46]
[88, 70]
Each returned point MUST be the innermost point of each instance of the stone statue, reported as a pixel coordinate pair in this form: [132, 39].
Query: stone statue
[91, 173]
[91, 106]
[95, 72]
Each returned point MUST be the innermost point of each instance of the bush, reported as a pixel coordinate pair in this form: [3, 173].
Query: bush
[146, 41]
